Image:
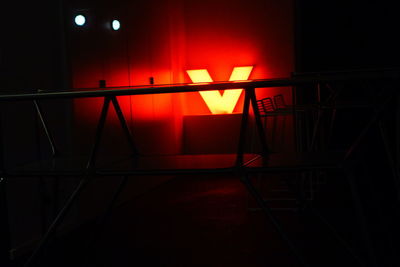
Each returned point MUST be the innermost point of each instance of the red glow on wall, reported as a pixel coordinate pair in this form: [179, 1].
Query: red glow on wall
[164, 38]
[217, 103]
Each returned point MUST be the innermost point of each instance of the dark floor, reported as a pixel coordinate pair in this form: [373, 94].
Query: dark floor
[198, 221]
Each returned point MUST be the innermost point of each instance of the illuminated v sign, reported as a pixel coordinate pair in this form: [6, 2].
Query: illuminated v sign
[217, 103]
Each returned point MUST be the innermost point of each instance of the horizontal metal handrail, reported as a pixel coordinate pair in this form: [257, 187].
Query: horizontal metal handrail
[309, 78]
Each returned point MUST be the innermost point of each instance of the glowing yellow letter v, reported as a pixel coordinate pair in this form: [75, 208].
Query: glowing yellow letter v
[216, 103]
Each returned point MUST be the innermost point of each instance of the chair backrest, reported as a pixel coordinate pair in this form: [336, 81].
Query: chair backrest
[279, 102]
[265, 106]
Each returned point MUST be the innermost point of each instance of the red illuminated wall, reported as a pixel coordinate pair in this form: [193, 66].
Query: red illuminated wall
[162, 39]
[223, 34]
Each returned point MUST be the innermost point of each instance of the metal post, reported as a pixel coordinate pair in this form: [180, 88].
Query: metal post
[114, 199]
[390, 159]
[317, 123]
[82, 184]
[92, 159]
[332, 124]
[97, 232]
[362, 220]
[125, 127]
[243, 127]
[397, 133]
[368, 126]
[48, 134]
[307, 204]
[56, 196]
[4, 225]
[295, 118]
[260, 128]
[267, 211]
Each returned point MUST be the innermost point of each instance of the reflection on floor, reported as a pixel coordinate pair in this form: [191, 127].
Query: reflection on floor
[196, 221]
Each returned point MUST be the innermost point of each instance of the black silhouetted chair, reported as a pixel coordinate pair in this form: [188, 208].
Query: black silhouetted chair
[265, 106]
[277, 110]
[269, 109]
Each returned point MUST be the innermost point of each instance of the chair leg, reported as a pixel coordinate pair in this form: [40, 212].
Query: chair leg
[267, 211]
[315, 131]
[273, 132]
[283, 132]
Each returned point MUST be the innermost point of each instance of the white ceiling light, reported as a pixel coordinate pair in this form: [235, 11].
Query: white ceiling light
[116, 25]
[80, 20]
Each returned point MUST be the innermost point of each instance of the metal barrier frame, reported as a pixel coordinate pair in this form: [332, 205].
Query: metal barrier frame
[240, 168]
